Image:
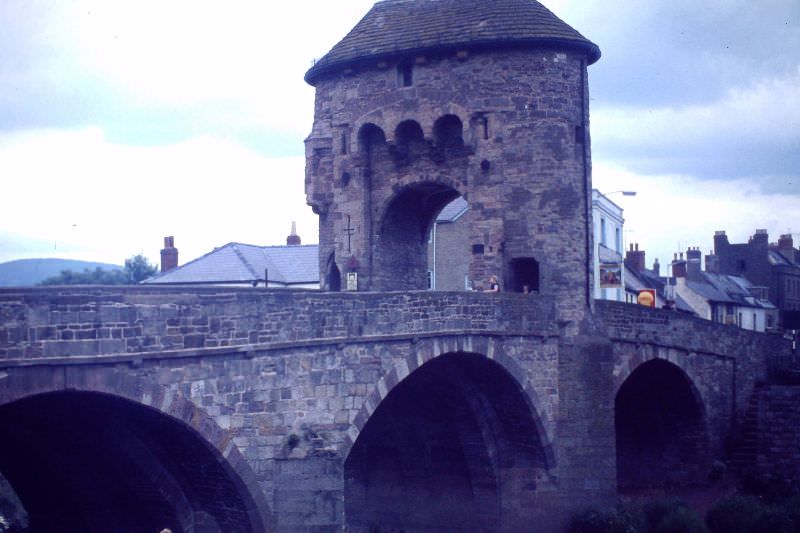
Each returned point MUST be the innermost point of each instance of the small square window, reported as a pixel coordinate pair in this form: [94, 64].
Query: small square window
[477, 249]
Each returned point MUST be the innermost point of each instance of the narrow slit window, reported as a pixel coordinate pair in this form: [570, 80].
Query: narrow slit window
[405, 74]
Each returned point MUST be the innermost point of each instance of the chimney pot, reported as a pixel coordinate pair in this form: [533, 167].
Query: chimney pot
[293, 239]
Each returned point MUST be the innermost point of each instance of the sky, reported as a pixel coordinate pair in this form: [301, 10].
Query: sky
[124, 122]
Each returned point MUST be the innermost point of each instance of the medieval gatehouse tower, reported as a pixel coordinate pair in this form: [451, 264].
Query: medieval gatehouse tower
[424, 101]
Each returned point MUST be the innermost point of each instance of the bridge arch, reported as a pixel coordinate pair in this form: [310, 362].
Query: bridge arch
[449, 442]
[124, 456]
[660, 426]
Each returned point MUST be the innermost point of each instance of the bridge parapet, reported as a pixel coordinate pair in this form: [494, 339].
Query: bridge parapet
[639, 324]
[38, 324]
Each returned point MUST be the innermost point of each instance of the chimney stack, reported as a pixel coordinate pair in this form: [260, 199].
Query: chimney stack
[693, 258]
[720, 241]
[678, 267]
[785, 243]
[634, 258]
[169, 255]
[712, 263]
[761, 237]
[656, 267]
[293, 239]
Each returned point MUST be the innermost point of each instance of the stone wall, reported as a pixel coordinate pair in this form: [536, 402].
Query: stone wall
[46, 323]
[520, 158]
[778, 441]
[282, 383]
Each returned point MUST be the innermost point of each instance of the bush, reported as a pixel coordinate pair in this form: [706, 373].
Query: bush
[618, 520]
[773, 520]
[736, 514]
[680, 520]
[792, 507]
[671, 515]
[772, 489]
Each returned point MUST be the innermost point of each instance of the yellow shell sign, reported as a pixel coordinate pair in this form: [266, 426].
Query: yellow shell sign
[647, 297]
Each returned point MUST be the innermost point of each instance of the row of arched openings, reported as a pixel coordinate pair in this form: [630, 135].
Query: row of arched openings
[448, 133]
[444, 450]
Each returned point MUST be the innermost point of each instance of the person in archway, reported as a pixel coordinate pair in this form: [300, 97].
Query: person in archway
[494, 285]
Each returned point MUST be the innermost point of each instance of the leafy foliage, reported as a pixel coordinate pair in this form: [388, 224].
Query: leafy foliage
[752, 514]
[137, 268]
[659, 516]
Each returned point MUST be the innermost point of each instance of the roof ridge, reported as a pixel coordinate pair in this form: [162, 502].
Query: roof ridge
[195, 260]
[244, 261]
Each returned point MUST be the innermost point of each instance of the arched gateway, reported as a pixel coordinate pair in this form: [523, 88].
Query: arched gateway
[448, 448]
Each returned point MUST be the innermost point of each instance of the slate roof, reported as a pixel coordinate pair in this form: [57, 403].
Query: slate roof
[238, 263]
[636, 280]
[776, 258]
[396, 28]
[453, 211]
[728, 289]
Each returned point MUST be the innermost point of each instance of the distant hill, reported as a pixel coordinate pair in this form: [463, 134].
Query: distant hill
[23, 272]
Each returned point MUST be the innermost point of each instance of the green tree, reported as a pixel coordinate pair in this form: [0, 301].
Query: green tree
[138, 268]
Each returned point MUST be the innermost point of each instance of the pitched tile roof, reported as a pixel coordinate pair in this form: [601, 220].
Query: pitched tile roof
[244, 263]
[395, 28]
[636, 280]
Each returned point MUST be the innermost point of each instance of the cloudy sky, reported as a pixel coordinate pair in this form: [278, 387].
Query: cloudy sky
[122, 122]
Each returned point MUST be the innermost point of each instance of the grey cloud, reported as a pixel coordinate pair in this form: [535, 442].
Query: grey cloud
[684, 52]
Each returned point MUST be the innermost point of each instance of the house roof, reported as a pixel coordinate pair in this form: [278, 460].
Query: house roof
[730, 289]
[453, 211]
[776, 258]
[636, 280]
[397, 28]
[245, 263]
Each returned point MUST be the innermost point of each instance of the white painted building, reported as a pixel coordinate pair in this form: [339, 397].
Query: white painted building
[609, 281]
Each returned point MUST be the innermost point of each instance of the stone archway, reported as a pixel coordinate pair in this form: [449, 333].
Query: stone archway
[448, 447]
[84, 460]
[661, 431]
[401, 245]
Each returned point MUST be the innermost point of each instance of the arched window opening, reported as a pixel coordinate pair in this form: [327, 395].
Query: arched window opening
[525, 275]
[447, 448]
[369, 137]
[409, 141]
[449, 132]
[660, 430]
[333, 278]
[371, 142]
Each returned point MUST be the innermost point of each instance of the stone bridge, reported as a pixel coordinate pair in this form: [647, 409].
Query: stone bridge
[255, 410]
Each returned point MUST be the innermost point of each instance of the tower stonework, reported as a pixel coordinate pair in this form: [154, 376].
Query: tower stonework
[485, 100]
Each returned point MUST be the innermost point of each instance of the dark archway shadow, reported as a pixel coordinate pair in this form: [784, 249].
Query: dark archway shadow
[333, 278]
[660, 430]
[401, 249]
[84, 461]
[446, 450]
